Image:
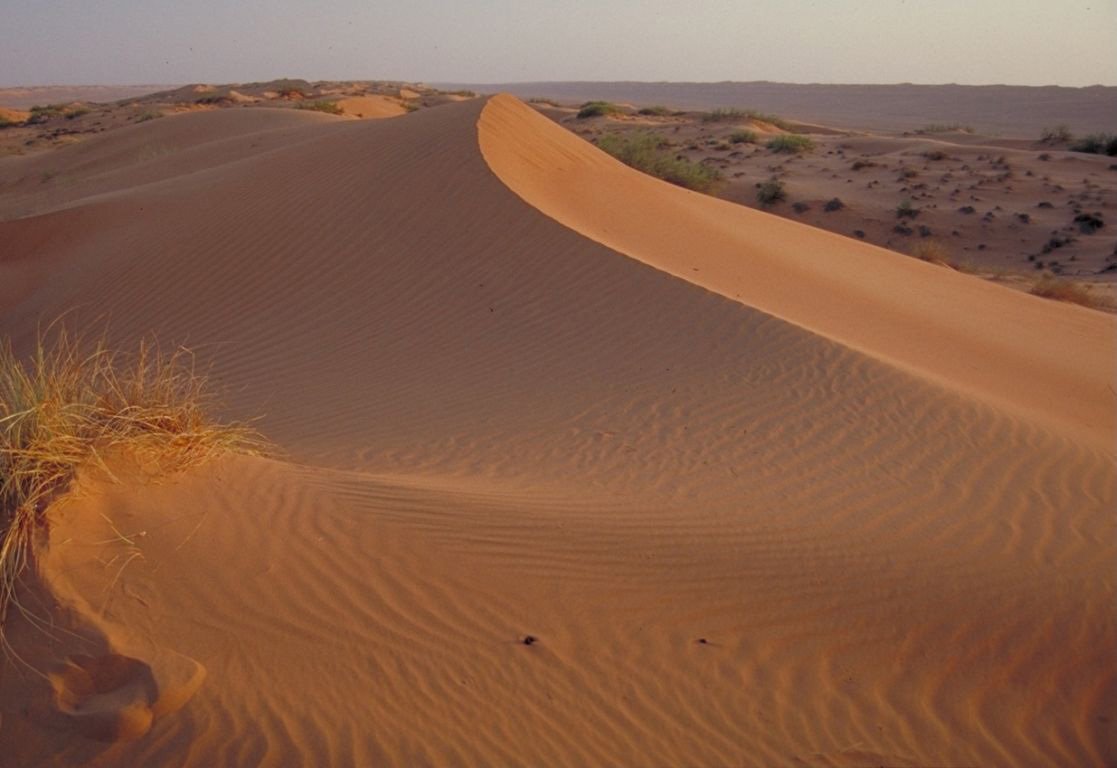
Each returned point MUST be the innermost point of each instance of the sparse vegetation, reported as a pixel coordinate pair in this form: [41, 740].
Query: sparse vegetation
[733, 114]
[833, 204]
[67, 407]
[1096, 144]
[6, 123]
[655, 111]
[932, 251]
[945, 128]
[862, 164]
[543, 101]
[1060, 134]
[321, 105]
[906, 210]
[646, 151]
[791, 143]
[744, 136]
[1064, 290]
[151, 114]
[770, 192]
[598, 109]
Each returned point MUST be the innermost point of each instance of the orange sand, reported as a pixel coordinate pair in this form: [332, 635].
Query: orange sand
[760, 494]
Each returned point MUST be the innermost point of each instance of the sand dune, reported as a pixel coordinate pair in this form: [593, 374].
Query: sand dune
[786, 510]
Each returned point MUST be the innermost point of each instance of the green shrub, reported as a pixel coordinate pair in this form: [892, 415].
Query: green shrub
[598, 109]
[791, 143]
[744, 136]
[770, 192]
[655, 111]
[329, 107]
[646, 151]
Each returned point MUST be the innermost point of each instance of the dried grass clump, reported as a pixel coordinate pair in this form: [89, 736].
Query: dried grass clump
[1064, 290]
[70, 404]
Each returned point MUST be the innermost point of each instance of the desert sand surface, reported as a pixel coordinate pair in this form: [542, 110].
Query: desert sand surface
[572, 467]
[1008, 110]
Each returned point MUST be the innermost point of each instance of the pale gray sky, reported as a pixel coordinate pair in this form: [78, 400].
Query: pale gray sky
[1027, 42]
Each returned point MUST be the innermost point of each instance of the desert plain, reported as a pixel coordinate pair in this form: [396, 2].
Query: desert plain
[564, 464]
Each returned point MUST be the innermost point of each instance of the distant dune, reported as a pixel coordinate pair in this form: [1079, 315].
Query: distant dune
[574, 468]
[1018, 111]
[29, 96]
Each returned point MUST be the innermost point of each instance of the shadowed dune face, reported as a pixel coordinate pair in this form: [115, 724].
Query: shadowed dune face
[742, 529]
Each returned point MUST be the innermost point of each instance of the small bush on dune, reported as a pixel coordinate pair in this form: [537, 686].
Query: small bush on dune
[1096, 144]
[1060, 134]
[791, 143]
[67, 407]
[655, 111]
[743, 137]
[1063, 290]
[945, 128]
[932, 251]
[906, 210]
[598, 109]
[329, 107]
[646, 152]
[770, 192]
[733, 114]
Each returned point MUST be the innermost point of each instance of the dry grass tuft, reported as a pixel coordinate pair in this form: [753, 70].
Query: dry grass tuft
[1064, 290]
[70, 404]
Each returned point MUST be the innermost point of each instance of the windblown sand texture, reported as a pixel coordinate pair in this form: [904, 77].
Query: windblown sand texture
[576, 468]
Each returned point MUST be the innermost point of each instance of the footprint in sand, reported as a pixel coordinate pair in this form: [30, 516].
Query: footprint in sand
[117, 698]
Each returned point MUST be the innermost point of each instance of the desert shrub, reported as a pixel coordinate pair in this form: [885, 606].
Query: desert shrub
[770, 192]
[68, 406]
[6, 123]
[1089, 223]
[1096, 144]
[833, 204]
[541, 100]
[1060, 134]
[860, 164]
[151, 114]
[744, 136]
[1063, 290]
[646, 151]
[800, 206]
[791, 143]
[655, 111]
[42, 113]
[77, 112]
[725, 115]
[934, 154]
[945, 128]
[598, 109]
[733, 114]
[930, 250]
[321, 105]
[906, 210]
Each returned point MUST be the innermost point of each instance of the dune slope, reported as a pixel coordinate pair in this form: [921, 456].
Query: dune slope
[734, 534]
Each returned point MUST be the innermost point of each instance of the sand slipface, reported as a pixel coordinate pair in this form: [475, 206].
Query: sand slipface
[811, 504]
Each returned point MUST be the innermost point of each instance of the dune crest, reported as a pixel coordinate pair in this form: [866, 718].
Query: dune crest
[965, 333]
[542, 503]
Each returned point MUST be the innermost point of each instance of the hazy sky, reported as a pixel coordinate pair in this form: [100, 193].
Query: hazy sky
[1036, 42]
